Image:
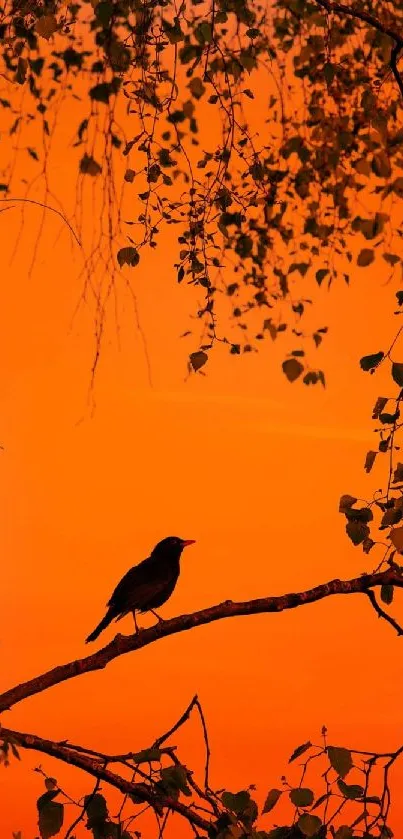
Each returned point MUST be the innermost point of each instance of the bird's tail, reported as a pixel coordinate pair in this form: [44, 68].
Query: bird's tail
[110, 615]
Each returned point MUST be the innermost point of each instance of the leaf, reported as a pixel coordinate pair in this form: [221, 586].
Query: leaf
[95, 808]
[397, 373]
[292, 369]
[321, 800]
[387, 594]
[329, 71]
[346, 502]
[51, 814]
[46, 26]
[147, 755]
[369, 460]
[309, 825]
[175, 778]
[363, 514]
[391, 258]
[302, 797]
[271, 800]
[50, 783]
[388, 419]
[203, 33]
[321, 274]
[173, 33]
[365, 257]
[21, 73]
[367, 545]
[89, 166]
[398, 474]
[128, 256]
[235, 802]
[381, 165]
[369, 362]
[198, 359]
[130, 175]
[101, 92]
[390, 517]
[396, 537]
[241, 804]
[379, 406]
[196, 87]
[357, 531]
[301, 267]
[301, 749]
[351, 791]
[344, 832]
[340, 759]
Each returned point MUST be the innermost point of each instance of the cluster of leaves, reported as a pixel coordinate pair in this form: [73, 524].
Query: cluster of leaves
[318, 815]
[345, 809]
[384, 511]
[271, 191]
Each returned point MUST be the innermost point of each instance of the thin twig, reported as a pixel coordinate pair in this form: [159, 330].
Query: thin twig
[382, 614]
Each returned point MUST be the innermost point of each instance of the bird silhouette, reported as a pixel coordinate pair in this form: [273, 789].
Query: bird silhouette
[146, 586]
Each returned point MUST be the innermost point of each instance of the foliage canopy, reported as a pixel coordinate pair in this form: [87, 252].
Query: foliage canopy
[266, 137]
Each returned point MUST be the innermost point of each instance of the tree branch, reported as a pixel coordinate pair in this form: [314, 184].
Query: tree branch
[351, 11]
[97, 768]
[358, 14]
[123, 644]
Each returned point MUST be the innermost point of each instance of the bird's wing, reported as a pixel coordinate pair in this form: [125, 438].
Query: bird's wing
[129, 582]
[139, 584]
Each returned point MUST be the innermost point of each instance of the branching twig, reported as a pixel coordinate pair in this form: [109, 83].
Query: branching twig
[97, 770]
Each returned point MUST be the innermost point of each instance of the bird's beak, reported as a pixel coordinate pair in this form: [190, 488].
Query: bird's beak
[188, 542]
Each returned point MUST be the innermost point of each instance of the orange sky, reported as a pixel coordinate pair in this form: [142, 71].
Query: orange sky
[245, 463]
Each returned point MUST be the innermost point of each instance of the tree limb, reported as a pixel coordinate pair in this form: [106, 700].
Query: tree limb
[97, 768]
[332, 7]
[123, 644]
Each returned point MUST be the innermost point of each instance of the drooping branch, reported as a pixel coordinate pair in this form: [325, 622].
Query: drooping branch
[97, 768]
[123, 644]
[12, 201]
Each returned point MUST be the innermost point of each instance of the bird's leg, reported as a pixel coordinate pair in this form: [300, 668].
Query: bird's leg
[160, 620]
[135, 620]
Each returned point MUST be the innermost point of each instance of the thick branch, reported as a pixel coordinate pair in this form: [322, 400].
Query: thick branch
[351, 11]
[123, 644]
[96, 767]
[359, 14]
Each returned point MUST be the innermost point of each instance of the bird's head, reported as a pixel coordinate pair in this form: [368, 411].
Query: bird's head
[172, 546]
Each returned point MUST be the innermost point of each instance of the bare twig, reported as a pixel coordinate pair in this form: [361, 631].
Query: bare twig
[382, 614]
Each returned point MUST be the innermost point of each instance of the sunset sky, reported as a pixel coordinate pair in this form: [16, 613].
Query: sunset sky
[246, 464]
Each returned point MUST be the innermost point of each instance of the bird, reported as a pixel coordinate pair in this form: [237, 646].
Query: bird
[147, 585]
